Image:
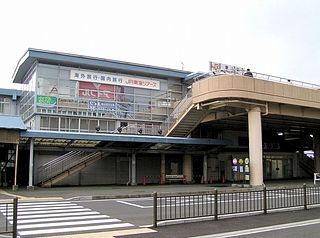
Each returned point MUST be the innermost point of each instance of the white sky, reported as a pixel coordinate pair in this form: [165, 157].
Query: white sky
[277, 37]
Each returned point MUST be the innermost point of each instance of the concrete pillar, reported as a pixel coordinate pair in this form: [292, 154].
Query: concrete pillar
[205, 168]
[316, 148]
[295, 160]
[163, 168]
[255, 147]
[30, 184]
[133, 170]
[15, 185]
[187, 168]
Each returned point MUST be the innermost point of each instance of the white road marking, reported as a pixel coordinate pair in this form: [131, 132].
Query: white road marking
[261, 229]
[66, 218]
[56, 215]
[68, 223]
[36, 203]
[146, 226]
[48, 212]
[131, 204]
[38, 206]
[74, 229]
[39, 218]
[41, 208]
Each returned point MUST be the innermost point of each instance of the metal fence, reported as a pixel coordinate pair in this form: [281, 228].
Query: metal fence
[168, 207]
[8, 219]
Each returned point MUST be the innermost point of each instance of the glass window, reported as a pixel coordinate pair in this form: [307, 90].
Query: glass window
[84, 125]
[48, 71]
[92, 125]
[44, 122]
[74, 124]
[47, 87]
[103, 125]
[54, 123]
[64, 123]
[64, 74]
[142, 91]
[111, 125]
[143, 100]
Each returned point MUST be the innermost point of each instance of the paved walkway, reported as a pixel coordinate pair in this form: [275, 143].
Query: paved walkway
[105, 192]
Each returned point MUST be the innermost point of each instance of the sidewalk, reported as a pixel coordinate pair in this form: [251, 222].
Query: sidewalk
[108, 192]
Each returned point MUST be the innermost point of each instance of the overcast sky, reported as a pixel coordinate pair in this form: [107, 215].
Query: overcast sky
[277, 37]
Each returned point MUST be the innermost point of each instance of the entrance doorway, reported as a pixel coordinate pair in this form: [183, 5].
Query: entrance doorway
[197, 166]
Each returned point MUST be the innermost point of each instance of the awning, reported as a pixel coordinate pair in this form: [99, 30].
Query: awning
[12, 122]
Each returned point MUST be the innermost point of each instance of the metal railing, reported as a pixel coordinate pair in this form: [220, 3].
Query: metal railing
[168, 207]
[63, 163]
[179, 109]
[8, 222]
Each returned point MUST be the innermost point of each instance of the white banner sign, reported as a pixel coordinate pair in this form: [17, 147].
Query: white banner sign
[106, 78]
[225, 68]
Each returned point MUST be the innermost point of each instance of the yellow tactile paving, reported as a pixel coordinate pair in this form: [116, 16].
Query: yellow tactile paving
[26, 198]
[108, 234]
[11, 195]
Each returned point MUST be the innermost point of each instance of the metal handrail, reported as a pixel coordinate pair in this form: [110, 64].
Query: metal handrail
[179, 110]
[64, 163]
[178, 206]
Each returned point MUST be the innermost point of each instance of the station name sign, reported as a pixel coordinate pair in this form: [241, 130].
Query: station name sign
[121, 80]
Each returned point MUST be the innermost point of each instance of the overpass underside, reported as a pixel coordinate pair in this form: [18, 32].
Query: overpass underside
[257, 106]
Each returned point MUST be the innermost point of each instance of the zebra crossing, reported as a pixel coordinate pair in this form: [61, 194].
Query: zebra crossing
[39, 219]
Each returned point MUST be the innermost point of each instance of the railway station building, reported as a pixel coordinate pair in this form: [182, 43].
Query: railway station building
[82, 120]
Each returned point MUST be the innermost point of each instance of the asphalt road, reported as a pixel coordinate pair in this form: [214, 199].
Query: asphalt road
[122, 217]
[138, 211]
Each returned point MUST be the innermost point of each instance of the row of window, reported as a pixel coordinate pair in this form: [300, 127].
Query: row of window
[97, 125]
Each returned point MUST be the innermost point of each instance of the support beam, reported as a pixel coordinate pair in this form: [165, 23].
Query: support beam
[187, 168]
[163, 169]
[31, 153]
[316, 148]
[15, 185]
[255, 147]
[133, 170]
[205, 168]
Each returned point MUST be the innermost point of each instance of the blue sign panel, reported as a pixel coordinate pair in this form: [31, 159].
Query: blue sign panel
[101, 106]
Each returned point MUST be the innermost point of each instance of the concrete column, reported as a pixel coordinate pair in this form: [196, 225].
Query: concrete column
[30, 184]
[205, 168]
[15, 185]
[255, 147]
[316, 148]
[163, 168]
[295, 165]
[133, 170]
[187, 168]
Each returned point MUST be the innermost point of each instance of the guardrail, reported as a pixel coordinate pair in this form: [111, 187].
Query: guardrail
[63, 163]
[169, 207]
[179, 109]
[8, 222]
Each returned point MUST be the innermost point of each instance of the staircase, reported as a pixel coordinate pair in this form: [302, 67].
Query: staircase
[307, 164]
[66, 165]
[184, 118]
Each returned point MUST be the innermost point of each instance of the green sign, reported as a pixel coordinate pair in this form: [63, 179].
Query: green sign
[46, 101]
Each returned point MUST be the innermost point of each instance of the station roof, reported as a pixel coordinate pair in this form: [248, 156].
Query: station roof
[12, 122]
[119, 142]
[71, 60]
[14, 93]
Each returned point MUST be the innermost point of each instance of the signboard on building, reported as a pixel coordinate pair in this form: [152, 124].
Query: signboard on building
[96, 90]
[101, 106]
[113, 79]
[225, 68]
[46, 101]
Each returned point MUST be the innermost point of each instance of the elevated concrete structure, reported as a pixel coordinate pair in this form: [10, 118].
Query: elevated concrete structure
[230, 98]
